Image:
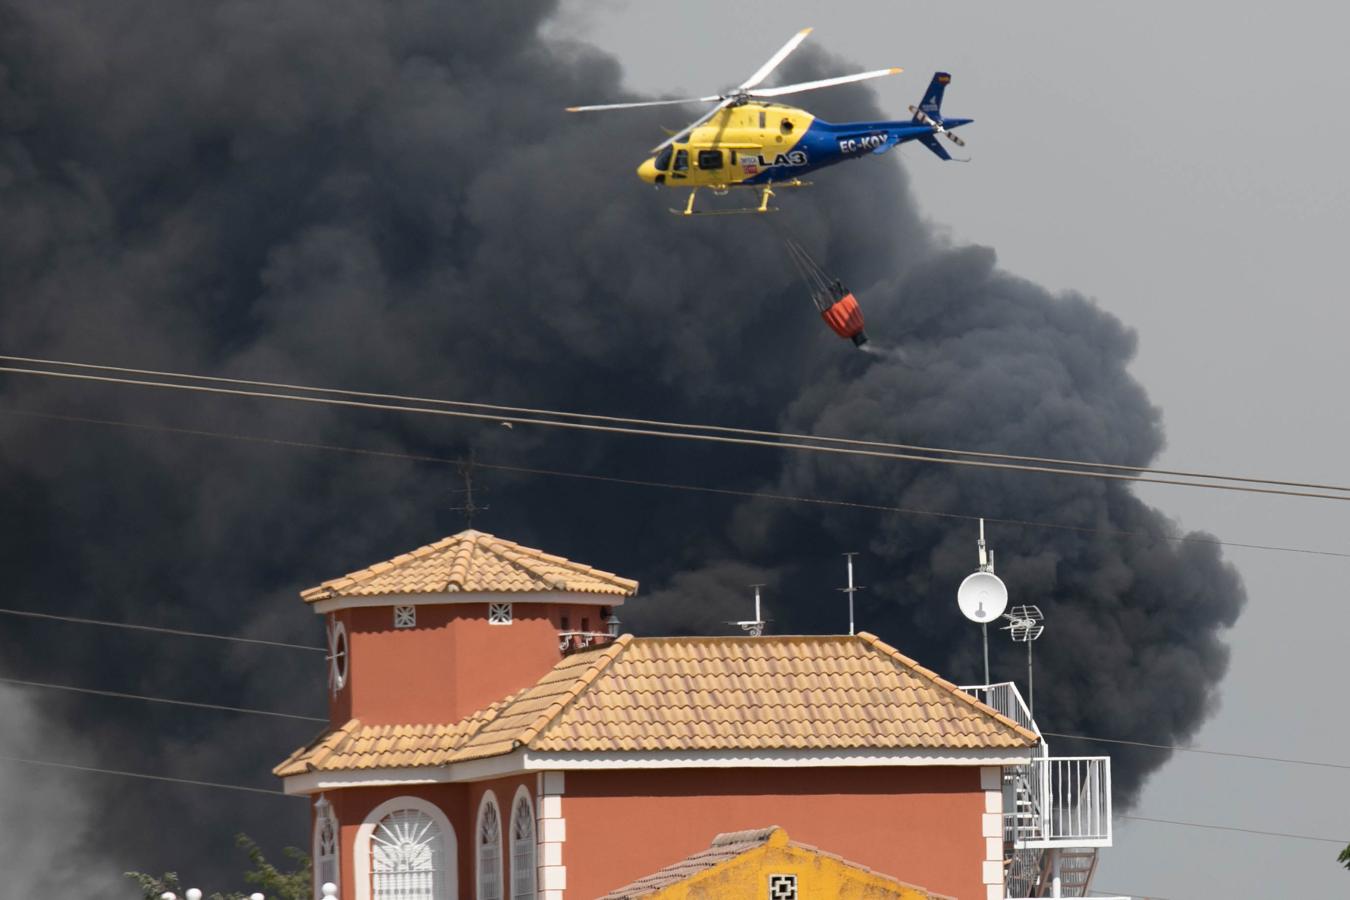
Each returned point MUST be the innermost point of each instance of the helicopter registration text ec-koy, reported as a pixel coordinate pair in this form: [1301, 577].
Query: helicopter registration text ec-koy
[745, 142]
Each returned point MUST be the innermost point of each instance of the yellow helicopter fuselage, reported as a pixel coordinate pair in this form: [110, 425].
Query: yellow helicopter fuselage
[750, 144]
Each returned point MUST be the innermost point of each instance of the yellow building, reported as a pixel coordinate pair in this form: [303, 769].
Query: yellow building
[764, 865]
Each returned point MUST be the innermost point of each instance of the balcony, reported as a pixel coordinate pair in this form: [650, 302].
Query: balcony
[1059, 801]
[1056, 810]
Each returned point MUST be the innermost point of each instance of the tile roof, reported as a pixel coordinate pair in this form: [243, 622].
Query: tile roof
[698, 694]
[779, 693]
[473, 561]
[355, 746]
[729, 846]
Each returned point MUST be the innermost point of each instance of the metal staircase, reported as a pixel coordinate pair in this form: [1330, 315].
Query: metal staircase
[1076, 865]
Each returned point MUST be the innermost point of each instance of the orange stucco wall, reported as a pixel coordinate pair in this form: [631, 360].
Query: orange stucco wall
[451, 665]
[459, 802]
[918, 824]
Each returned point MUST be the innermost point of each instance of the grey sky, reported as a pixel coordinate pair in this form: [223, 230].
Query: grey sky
[1180, 164]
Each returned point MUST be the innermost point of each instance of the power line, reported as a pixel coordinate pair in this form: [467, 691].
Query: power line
[680, 435]
[1278, 834]
[762, 495]
[159, 630]
[236, 709]
[1278, 759]
[623, 420]
[192, 703]
[236, 787]
[304, 647]
[142, 775]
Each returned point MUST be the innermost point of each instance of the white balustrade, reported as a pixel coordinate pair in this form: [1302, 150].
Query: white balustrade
[1064, 801]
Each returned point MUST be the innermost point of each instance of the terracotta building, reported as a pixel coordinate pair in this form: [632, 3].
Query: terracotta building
[493, 736]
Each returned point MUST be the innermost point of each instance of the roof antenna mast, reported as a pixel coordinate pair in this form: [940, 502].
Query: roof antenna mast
[754, 627]
[469, 507]
[983, 596]
[850, 590]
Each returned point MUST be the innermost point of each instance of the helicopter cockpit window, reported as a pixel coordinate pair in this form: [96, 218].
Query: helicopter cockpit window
[786, 127]
[710, 159]
[663, 159]
[681, 161]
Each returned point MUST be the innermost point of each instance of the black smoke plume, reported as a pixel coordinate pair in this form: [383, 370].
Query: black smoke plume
[386, 195]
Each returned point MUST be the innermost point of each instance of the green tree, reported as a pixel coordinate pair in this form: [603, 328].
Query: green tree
[265, 877]
[1344, 858]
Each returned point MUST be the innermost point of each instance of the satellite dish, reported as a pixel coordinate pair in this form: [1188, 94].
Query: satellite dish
[982, 596]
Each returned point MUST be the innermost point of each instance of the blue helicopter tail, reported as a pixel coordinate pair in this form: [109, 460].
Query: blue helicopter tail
[931, 104]
[930, 110]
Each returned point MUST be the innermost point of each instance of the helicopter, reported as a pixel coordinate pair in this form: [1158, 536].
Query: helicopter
[744, 142]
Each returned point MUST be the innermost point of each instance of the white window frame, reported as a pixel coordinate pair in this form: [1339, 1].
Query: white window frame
[529, 890]
[323, 814]
[405, 617]
[499, 613]
[361, 849]
[489, 800]
[339, 664]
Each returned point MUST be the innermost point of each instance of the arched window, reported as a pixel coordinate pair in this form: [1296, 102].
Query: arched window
[325, 846]
[522, 847]
[407, 851]
[489, 849]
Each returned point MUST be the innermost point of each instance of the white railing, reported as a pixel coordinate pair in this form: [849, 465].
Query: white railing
[1006, 699]
[1070, 803]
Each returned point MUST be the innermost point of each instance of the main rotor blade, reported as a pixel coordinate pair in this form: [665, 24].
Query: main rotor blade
[774, 60]
[687, 100]
[690, 127]
[822, 83]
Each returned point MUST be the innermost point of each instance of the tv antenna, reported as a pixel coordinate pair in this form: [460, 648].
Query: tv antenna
[983, 596]
[850, 590]
[754, 627]
[1024, 626]
[466, 467]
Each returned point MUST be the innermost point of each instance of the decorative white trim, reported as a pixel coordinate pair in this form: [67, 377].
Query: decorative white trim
[571, 598]
[323, 810]
[771, 759]
[529, 761]
[991, 781]
[361, 846]
[522, 793]
[552, 881]
[489, 800]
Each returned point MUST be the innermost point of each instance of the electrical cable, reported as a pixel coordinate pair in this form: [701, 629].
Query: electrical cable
[714, 434]
[1053, 734]
[721, 429]
[152, 628]
[172, 780]
[762, 495]
[1279, 834]
[192, 703]
[1254, 756]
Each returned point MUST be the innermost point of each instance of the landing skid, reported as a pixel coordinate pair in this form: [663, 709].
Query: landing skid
[766, 194]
